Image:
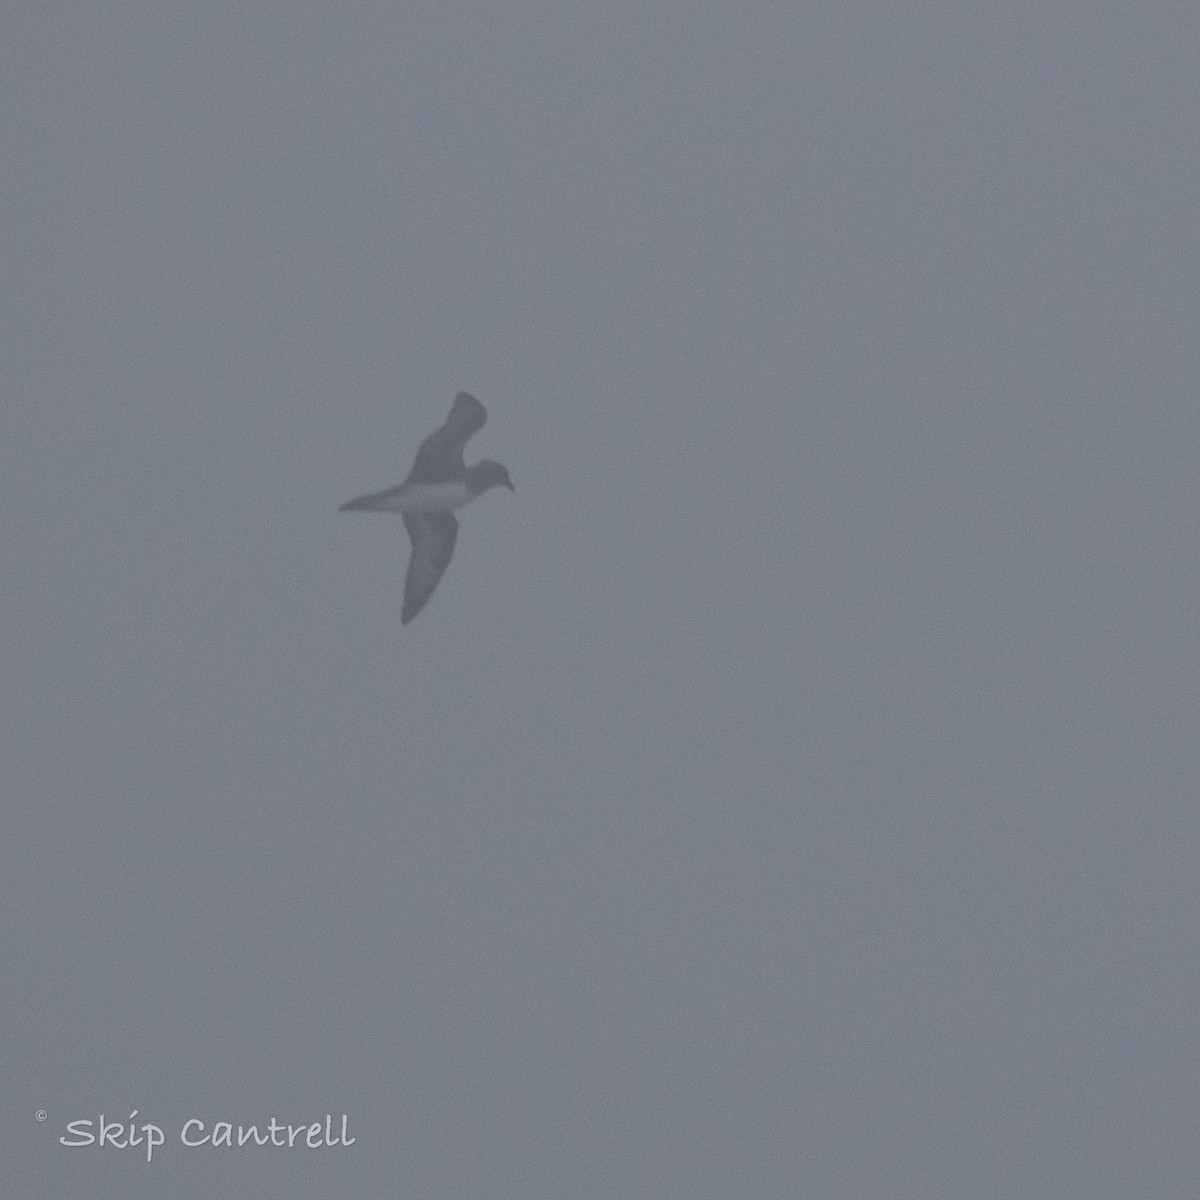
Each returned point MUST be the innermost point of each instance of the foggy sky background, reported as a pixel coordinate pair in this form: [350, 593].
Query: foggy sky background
[790, 788]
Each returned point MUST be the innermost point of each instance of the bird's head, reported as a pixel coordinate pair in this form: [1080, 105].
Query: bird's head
[488, 474]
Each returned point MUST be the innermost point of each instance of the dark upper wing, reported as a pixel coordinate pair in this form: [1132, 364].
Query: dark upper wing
[432, 535]
[441, 453]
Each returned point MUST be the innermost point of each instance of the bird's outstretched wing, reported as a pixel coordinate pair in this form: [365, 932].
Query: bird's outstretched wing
[432, 535]
[441, 453]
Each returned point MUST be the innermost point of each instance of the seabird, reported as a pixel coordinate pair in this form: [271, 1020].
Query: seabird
[438, 483]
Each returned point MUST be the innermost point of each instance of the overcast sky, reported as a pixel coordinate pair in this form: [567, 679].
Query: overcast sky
[790, 790]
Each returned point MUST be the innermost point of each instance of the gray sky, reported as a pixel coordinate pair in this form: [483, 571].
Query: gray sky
[790, 789]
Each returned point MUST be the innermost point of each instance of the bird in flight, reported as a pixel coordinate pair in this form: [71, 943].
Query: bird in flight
[438, 483]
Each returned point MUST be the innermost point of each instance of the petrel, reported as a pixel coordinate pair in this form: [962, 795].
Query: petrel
[438, 483]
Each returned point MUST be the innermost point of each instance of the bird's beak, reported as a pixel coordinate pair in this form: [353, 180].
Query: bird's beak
[361, 502]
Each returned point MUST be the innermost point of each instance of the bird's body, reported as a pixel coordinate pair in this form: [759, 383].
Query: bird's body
[419, 497]
[438, 483]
